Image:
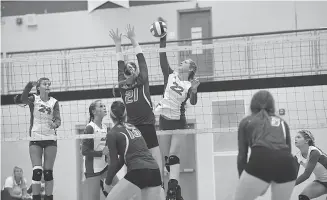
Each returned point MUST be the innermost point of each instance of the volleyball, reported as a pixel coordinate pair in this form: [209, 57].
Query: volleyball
[158, 29]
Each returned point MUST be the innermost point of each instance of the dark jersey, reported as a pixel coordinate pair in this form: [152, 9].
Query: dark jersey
[167, 72]
[137, 99]
[255, 131]
[127, 142]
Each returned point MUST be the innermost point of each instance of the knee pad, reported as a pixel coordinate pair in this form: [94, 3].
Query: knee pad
[48, 175]
[37, 175]
[173, 160]
[303, 197]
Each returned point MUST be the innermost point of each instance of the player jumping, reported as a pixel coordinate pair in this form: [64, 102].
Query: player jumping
[180, 85]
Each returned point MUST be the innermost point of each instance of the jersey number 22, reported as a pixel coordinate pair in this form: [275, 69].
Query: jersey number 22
[176, 88]
[132, 96]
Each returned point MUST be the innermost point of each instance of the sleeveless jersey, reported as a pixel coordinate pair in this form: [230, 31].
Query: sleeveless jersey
[320, 170]
[131, 144]
[138, 104]
[271, 133]
[42, 116]
[99, 163]
[175, 95]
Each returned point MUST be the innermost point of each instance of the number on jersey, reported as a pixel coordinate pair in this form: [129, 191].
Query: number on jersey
[131, 96]
[133, 132]
[176, 88]
[45, 109]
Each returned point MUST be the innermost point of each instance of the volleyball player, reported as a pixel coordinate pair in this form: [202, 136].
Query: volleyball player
[314, 161]
[94, 152]
[45, 119]
[134, 88]
[180, 85]
[143, 178]
[271, 161]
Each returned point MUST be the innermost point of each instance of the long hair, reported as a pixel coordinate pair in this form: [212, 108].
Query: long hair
[22, 180]
[263, 104]
[91, 109]
[308, 136]
[118, 112]
[39, 83]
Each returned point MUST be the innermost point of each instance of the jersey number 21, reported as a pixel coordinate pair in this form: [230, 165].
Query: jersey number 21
[131, 96]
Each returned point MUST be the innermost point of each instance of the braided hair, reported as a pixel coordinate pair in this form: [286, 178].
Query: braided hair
[118, 112]
[91, 109]
[308, 136]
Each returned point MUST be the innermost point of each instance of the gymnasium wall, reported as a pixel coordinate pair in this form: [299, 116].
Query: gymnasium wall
[303, 105]
[80, 29]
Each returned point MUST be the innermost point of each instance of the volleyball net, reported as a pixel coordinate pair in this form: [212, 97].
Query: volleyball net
[231, 69]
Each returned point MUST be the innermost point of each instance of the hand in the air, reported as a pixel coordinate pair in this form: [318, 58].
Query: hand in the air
[115, 35]
[162, 20]
[34, 83]
[130, 33]
[195, 83]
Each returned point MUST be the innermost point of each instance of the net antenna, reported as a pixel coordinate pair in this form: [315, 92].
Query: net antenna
[124, 48]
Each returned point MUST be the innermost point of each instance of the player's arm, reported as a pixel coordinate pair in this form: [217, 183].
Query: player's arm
[56, 115]
[165, 67]
[243, 147]
[297, 165]
[116, 37]
[88, 144]
[24, 97]
[313, 160]
[288, 136]
[115, 163]
[144, 74]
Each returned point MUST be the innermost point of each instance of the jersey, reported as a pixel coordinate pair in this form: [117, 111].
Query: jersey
[137, 99]
[176, 93]
[131, 144]
[272, 133]
[42, 116]
[95, 164]
[320, 170]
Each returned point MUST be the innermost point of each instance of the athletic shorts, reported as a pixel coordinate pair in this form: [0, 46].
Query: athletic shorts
[167, 124]
[144, 178]
[44, 143]
[149, 134]
[322, 183]
[270, 165]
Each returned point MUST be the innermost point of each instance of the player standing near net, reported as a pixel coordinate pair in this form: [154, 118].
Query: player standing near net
[143, 178]
[135, 91]
[179, 86]
[314, 161]
[45, 119]
[271, 161]
[95, 152]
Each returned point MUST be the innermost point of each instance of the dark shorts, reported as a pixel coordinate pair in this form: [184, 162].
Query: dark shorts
[144, 178]
[166, 124]
[44, 143]
[149, 134]
[270, 165]
[322, 183]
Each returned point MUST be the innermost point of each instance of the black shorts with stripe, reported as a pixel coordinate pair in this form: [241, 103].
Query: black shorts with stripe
[168, 124]
[271, 165]
[44, 143]
[144, 178]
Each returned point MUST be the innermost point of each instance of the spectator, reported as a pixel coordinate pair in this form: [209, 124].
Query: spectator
[15, 187]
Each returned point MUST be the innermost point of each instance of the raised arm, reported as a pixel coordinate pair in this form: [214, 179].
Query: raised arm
[88, 145]
[115, 163]
[193, 91]
[243, 147]
[144, 74]
[116, 37]
[24, 97]
[165, 68]
[313, 160]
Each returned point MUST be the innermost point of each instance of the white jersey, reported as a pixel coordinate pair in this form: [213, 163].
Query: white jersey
[42, 116]
[320, 170]
[176, 93]
[99, 163]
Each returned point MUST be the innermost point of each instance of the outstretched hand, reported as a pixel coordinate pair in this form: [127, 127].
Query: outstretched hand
[115, 35]
[130, 33]
[161, 19]
[195, 83]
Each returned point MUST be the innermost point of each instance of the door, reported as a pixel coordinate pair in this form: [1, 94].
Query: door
[188, 181]
[195, 24]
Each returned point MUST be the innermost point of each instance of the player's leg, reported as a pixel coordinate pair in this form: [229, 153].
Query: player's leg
[313, 190]
[151, 188]
[151, 193]
[102, 180]
[125, 190]
[36, 152]
[91, 187]
[50, 153]
[282, 191]
[250, 187]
